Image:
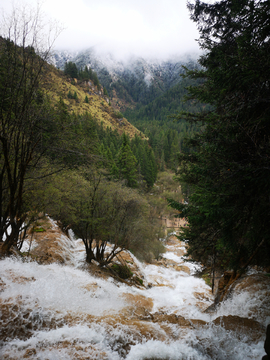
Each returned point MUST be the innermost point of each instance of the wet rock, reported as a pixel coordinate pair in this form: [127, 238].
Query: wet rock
[218, 274]
[252, 329]
[197, 322]
[49, 250]
[127, 259]
[139, 306]
[257, 286]
[251, 283]
[2, 285]
[29, 353]
[203, 299]
[267, 344]
[211, 309]
[223, 285]
[230, 284]
[48, 246]
[170, 318]
[18, 322]
[183, 268]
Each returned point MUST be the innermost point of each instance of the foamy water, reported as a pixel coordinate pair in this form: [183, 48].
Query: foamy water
[75, 315]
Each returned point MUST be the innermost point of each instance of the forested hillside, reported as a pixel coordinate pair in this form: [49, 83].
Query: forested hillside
[66, 152]
[147, 93]
[156, 120]
[132, 81]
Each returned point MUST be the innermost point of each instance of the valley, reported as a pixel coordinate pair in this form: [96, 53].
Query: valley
[134, 207]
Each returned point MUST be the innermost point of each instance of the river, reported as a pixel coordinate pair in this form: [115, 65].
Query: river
[62, 311]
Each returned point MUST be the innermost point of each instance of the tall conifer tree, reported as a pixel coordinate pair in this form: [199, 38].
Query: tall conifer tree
[229, 209]
[127, 163]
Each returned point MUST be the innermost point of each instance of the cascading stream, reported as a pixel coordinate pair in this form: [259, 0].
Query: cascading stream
[63, 312]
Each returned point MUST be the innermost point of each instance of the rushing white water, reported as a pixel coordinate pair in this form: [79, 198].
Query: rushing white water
[63, 312]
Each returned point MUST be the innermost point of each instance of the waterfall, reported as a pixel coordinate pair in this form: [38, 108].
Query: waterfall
[62, 311]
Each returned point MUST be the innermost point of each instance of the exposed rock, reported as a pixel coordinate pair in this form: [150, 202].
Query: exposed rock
[127, 258]
[29, 353]
[267, 344]
[18, 322]
[183, 268]
[252, 329]
[47, 242]
[2, 285]
[170, 318]
[252, 283]
[223, 285]
[139, 306]
[135, 323]
[197, 323]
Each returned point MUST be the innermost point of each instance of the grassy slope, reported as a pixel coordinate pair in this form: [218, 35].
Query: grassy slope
[58, 85]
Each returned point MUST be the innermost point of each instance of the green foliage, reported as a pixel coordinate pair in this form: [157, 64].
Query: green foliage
[98, 211]
[126, 163]
[73, 96]
[141, 163]
[123, 271]
[71, 69]
[228, 211]
[147, 166]
[207, 278]
[86, 74]
[38, 229]
[117, 115]
[139, 280]
[52, 160]
[25, 120]
[166, 137]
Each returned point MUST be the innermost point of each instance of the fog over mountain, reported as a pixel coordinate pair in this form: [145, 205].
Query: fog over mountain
[134, 79]
[144, 28]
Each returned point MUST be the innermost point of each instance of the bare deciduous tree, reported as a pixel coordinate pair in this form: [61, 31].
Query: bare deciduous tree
[24, 50]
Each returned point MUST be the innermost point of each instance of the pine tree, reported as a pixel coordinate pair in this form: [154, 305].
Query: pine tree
[114, 172]
[75, 96]
[71, 69]
[228, 211]
[162, 162]
[127, 163]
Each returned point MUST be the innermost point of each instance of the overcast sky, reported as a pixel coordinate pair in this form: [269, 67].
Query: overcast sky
[142, 27]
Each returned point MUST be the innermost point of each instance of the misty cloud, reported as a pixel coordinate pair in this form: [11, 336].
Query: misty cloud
[155, 28]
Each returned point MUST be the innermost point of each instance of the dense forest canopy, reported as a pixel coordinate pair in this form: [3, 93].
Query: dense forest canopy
[155, 120]
[228, 211]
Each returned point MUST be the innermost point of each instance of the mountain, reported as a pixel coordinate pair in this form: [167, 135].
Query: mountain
[83, 96]
[129, 82]
[147, 92]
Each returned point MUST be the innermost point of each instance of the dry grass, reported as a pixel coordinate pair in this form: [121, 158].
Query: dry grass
[57, 86]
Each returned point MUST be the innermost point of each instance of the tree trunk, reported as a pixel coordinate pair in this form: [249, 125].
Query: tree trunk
[89, 255]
